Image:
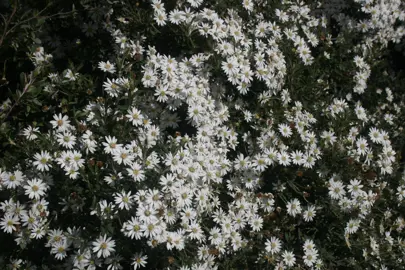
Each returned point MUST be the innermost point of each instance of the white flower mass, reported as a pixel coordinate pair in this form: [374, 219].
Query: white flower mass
[244, 151]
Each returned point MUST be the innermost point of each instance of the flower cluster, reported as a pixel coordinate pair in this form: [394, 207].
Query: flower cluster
[241, 150]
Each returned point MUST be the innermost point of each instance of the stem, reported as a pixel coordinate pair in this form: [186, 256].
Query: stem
[27, 86]
[5, 32]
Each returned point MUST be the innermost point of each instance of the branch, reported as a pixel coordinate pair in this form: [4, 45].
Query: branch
[27, 86]
[6, 23]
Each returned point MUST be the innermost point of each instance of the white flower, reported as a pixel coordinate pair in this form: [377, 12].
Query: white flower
[352, 226]
[310, 213]
[12, 180]
[61, 123]
[248, 5]
[285, 130]
[135, 116]
[136, 172]
[139, 261]
[160, 18]
[151, 229]
[354, 187]
[103, 246]
[112, 87]
[336, 189]
[176, 16]
[231, 66]
[35, 188]
[283, 158]
[133, 228]
[106, 67]
[309, 245]
[195, 231]
[124, 200]
[329, 137]
[59, 249]
[29, 133]
[273, 245]
[256, 223]
[111, 145]
[71, 75]
[66, 140]
[215, 236]
[294, 207]
[42, 161]
[362, 146]
[288, 258]
[123, 155]
[8, 223]
[296, 157]
[37, 232]
[310, 257]
[375, 135]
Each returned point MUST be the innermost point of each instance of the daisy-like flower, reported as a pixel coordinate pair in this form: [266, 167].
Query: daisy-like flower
[35, 188]
[123, 155]
[329, 137]
[309, 214]
[310, 257]
[16, 264]
[139, 261]
[285, 130]
[61, 123]
[288, 258]
[107, 67]
[112, 178]
[112, 87]
[283, 158]
[256, 223]
[231, 66]
[70, 75]
[273, 245]
[37, 232]
[55, 236]
[133, 228]
[111, 145]
[66, 140]
[12, 180]
[375, 135]
[135, 116]
[362, 146]
[308, 245]
[160, 18]
[123, 200]
[296, 157]
[136, 172]
[42, 161]
[355, 187]
[336, 189]
[352, 226]
[176, 16]
[103, 246]
[195, 231]
[59, 249]
[8, 223]
[294, 207]
[29, 133]
[151, 229]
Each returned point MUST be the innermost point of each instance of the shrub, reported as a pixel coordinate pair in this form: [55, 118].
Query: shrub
[201, 135]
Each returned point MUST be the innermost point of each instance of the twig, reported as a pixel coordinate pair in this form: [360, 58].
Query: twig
[27, 86]
[7, 23]
[7, 31]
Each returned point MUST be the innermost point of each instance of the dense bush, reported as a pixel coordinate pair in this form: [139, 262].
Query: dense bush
[201, 135]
